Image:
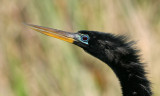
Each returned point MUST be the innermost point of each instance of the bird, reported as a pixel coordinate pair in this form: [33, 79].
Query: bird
[114, 50]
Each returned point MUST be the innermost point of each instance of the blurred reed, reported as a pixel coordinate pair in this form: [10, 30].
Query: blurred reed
[32, 64]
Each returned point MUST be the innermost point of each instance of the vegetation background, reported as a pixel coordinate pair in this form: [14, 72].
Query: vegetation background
[32, 64]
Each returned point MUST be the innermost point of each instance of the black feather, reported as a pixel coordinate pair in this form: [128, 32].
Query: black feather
[122, 58]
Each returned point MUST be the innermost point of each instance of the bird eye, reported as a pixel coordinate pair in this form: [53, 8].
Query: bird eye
[85, 38]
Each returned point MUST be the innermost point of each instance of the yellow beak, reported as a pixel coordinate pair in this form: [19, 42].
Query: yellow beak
[65, 36]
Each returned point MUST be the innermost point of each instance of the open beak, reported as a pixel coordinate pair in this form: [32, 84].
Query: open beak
[65, 36]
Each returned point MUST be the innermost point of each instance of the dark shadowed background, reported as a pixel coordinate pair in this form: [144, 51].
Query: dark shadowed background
[32, 64]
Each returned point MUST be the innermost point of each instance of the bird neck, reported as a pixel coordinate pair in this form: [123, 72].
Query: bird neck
[131, 75]
[133, 82]
[128, 69]
[124, 61]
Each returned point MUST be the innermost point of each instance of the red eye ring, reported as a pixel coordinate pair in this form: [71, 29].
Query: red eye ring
[85, 38]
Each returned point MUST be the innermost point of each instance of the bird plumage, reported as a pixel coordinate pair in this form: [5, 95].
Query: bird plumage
[114, 51]
[122, 58]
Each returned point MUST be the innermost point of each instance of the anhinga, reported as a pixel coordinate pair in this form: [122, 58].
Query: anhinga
[114, 51]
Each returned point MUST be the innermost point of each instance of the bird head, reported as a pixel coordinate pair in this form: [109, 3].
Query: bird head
[84, 39]
[99, 44]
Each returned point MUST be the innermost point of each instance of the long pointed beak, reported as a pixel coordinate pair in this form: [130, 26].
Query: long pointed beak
[65, 36]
